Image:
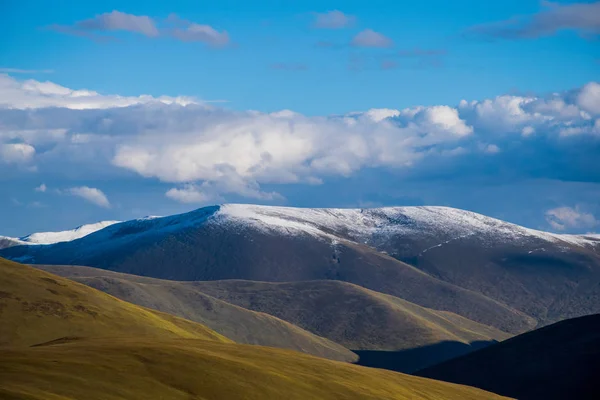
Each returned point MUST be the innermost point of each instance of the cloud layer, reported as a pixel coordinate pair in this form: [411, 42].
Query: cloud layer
[207, 153]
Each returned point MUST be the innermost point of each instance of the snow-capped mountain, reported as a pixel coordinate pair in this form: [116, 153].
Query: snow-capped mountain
[363, 225]
[55, 237]
[485, 269]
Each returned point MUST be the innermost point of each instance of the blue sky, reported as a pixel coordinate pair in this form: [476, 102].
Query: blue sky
[240, 62]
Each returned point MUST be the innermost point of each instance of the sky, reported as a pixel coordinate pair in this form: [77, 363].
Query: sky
[113, 110]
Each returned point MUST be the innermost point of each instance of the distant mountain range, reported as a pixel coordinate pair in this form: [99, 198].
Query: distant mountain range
[489, 271]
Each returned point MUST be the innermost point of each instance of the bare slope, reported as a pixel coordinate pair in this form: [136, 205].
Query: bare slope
[37, 307]
[559, 361]
[185, 369]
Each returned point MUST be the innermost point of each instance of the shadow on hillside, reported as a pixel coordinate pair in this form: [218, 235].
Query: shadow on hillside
[409, 361]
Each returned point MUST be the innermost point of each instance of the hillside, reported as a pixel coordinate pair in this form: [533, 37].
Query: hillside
[559, 361]
[184, 369]
[184, 300]
[357, 318]
[481, 268]
[38, 307]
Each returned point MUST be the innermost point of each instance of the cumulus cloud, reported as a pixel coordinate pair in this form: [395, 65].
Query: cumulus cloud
[93, 195]
[16, 153]
[565, 218]
[42, 188]
[370, 38]
[583, 18]
[333, 20]
[206, 153]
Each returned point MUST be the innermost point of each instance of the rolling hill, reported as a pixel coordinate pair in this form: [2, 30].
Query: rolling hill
[559, 361]
[183, 300]
[37, 307]
[357, 318]
[199, 369]
[63, 340]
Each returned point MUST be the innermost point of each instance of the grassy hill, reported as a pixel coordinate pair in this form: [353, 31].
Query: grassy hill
[186, 301]
[185, 369]
[559, 361]
[37, 307]
[63, 340]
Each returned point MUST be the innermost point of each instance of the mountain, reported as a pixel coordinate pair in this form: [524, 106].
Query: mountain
[184, 300]
[355, 317]
[54, 237]
[37, 307]
[484, 269]
[198, 369]
[559, 361]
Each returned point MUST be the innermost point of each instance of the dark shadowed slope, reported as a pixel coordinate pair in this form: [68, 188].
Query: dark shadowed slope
[186, 301]
[198, 369]
[560, 361]
[37, 307]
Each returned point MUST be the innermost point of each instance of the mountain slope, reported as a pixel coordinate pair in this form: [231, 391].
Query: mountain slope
[559, 361]
[357, 318]
[184, 300]
[351, 315]
[37, 307]
[185, 369]
[487, 270]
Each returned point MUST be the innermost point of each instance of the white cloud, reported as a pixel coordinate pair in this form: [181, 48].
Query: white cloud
[35, 94]
[206, 153]
[16, 153]
[120, 21]
[42, 188]
[492, 149]
[589, 97]
[370, 38]
[565, 218]
[189, 31]
[93, 195]
[333, 20]
[183, 30]
[191, 194]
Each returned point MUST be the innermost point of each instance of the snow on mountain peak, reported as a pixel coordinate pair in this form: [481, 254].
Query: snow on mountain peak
[65, 236]
[363, 224]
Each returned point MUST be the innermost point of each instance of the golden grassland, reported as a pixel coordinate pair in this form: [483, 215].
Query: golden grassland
[61, 340]
[198, 369]
[37, 307]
